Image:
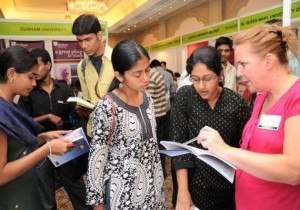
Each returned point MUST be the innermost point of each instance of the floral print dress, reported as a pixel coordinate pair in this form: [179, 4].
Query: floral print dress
[126, 170]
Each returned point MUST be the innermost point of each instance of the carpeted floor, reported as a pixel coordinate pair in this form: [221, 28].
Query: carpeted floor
[63, 202]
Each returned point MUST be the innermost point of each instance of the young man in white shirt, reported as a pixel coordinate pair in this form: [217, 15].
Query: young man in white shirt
[224, 46]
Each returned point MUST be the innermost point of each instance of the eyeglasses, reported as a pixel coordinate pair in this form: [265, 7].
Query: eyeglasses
[206, 79]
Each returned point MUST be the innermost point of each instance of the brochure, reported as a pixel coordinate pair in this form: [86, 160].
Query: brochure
[223, 167]
[82, 147]
[81, 102]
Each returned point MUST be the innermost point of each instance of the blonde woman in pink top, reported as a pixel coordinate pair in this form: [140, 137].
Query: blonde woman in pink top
[268, 175]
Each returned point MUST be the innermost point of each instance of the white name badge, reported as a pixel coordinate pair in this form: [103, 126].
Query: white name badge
[269, 122]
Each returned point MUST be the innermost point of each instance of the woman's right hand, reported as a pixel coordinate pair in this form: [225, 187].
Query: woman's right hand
[184, 200]
[60, 146]
[212, 140]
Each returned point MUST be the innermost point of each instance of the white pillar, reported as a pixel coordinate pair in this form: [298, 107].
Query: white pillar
[286, 16]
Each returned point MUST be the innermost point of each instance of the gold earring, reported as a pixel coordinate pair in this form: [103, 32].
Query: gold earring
[11, 80]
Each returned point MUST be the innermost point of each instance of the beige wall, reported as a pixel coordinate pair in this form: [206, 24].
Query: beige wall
[148, 36]
[113, 40]
[209, 13]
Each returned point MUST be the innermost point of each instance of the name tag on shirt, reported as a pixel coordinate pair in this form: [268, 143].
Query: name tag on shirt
[61, 102]
[269, 122]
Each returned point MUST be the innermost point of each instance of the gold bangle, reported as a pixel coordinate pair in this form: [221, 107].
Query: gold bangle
[49, 145]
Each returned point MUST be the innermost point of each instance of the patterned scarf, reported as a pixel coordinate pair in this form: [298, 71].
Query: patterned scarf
[18, 125]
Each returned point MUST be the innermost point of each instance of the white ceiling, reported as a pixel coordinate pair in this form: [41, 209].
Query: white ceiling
[122, 14]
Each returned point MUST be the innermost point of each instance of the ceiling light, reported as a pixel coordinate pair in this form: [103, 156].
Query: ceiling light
[97, 7]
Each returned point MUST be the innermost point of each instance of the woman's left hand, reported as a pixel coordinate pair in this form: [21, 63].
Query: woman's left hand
[211, 140]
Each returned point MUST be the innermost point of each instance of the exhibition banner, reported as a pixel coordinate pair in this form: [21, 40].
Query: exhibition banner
[40, 28]
[147, 48]
[262, 17]
[173, 42]
[295, 10]
[14, 28]
[66, 56]
[29, 45]
[66, 51]
[218, 30]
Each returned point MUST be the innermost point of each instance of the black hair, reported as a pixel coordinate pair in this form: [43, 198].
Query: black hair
[155, 63]
[177, 74]
[124, 57]
[16, 57]
[76, 83]
[223, 40]
[207, 55]
[86, 24]
[43, 54]
[163, 62]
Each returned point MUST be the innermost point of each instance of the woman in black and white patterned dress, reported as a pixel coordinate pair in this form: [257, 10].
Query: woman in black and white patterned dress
[124, 166]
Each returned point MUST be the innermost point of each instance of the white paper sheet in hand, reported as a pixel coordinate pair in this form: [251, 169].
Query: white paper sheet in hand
[223, 167]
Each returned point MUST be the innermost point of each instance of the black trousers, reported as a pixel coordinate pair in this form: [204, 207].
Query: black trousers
[74, 188]
[163, 131]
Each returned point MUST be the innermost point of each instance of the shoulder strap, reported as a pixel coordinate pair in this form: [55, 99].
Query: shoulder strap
[147, 93]
[83, 65]
[113, 117]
